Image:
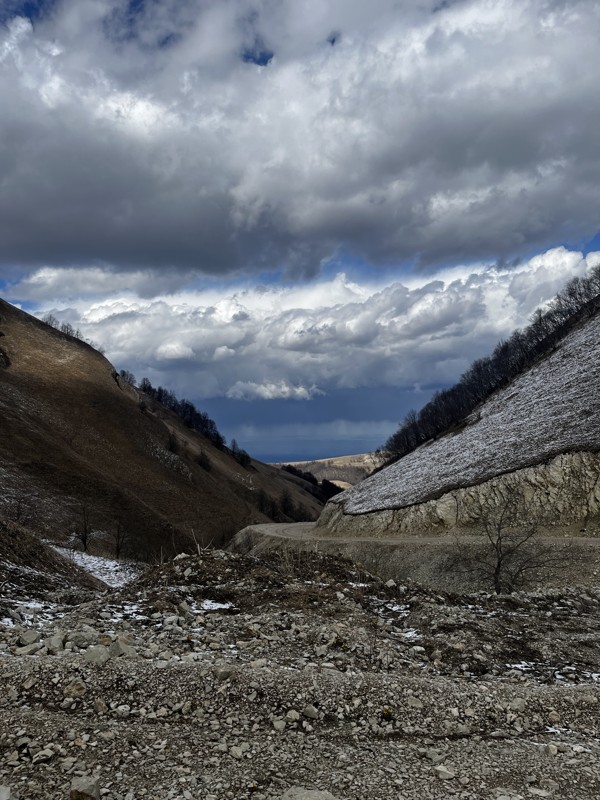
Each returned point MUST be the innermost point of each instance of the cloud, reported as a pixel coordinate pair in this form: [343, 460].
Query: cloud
[144, 140]
[295, 342]
[281, 390]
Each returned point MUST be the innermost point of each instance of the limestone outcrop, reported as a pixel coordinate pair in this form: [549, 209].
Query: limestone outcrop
[563, 493]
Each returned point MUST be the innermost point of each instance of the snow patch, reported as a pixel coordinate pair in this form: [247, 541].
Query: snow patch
[114, 573]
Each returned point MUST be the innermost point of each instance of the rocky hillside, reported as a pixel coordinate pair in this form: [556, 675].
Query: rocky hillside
[537, 439]
[80, 449]
[295, 676]
[344, 471]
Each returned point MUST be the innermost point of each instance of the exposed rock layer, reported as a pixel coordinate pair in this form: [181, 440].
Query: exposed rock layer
[561, 493]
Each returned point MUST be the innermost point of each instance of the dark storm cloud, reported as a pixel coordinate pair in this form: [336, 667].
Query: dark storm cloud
[164, 135]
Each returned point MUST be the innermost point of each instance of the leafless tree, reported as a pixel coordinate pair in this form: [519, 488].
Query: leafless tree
[511, 553]
[83, 532]
[119, 536]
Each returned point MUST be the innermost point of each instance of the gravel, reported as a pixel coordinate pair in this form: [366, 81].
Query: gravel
[307, 679]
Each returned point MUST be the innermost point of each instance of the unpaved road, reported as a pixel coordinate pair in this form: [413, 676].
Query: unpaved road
[307, 531]
[429, 560]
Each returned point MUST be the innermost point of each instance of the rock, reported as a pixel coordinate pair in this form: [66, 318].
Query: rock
[414, 702]
[42, 756]
[6, 793]
[97, 654]
[30, 636]
[390, 584]
[225, 672]
[85, 788]
[75, 689]
[518, 704]
[121, 647]
[83, 637]
[55, 644]
[443, 773]
[298, 793]
[310, 712]
[30, 649]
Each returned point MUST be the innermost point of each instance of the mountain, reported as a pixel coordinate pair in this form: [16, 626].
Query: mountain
[533, 443]
[83, 450]
[344, 471]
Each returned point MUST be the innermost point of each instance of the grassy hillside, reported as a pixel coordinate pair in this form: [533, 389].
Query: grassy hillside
[79, 446]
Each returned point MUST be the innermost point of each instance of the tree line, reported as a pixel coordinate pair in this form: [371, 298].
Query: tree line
[198, 421]
[448, 408]
[70, 330]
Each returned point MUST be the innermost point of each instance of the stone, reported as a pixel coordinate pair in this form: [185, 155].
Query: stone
[83, 637]
[121, 647]
[6, 793]
[29, 649]
[298, 793]
[30, 636]
[443, 773]
[55, 644]
[518, 704]
[85, 788]
[225, 672]
[75, 689]
[97, 654]
[310, 712]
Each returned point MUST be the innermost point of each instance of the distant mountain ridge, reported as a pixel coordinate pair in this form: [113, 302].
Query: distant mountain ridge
[80, 446]
[341, 470]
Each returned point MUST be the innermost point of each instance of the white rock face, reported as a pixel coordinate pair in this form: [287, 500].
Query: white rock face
[538, 437]
[563, 492]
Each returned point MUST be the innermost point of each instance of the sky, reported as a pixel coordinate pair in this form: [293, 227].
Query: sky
[303, 215]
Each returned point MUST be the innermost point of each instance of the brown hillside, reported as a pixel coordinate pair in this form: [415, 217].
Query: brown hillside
[76, 441]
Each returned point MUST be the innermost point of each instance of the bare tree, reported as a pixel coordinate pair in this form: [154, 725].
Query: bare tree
[511, 554]
[83, 532]
[119, 536]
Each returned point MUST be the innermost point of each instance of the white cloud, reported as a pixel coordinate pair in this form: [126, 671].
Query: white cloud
[281, 390]
[293, 342]
[173, 351]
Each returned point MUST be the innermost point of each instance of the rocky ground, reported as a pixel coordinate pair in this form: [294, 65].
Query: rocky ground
[297, 676]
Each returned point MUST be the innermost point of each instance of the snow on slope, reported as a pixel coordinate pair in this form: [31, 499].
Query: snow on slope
[553, 408]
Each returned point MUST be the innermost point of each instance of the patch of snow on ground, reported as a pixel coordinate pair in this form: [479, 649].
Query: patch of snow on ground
[127, 611]
[212, 605]
[114, 573]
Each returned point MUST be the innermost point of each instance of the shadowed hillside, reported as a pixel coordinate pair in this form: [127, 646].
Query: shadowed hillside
[81, 449]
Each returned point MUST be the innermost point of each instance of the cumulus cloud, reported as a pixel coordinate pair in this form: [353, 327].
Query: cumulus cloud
[295, 342]
[149, 136]
[281, 390]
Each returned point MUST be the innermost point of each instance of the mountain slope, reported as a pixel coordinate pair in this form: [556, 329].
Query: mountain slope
[79, 446]
[538, 437]
[344, 471]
